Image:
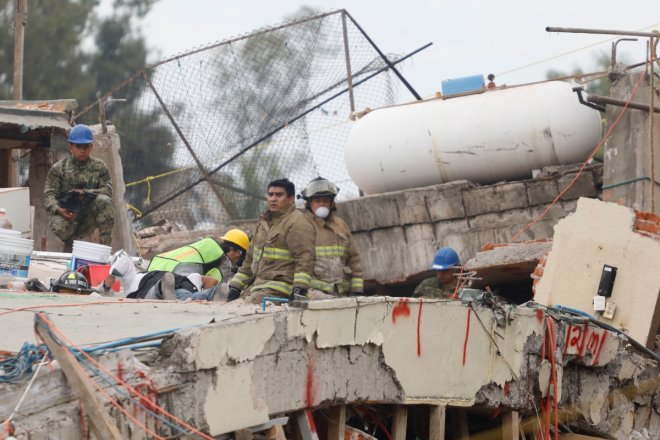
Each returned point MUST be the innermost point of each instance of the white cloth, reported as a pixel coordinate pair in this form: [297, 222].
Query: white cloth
[124, 270]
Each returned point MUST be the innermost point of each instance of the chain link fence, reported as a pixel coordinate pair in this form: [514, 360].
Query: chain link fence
[203, 132]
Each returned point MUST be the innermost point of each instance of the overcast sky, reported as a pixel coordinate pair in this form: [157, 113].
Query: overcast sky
[469, 37]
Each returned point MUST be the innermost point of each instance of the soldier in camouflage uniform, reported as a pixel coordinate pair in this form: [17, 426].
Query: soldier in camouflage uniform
[443, 285]
[87, 179]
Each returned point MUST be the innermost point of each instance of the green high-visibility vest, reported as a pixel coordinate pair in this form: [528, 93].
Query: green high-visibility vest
[203, 257]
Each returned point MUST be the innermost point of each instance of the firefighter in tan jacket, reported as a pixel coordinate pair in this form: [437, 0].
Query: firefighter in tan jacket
[280, 259]
[337, 268]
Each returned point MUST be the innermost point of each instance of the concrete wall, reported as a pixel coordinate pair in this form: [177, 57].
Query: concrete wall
[106, 147]
[600, 233]
[398, 233]
[627, 174]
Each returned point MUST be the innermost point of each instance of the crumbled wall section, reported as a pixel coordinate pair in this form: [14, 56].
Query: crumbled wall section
[598, 234]
[647, 224]
[398, 233]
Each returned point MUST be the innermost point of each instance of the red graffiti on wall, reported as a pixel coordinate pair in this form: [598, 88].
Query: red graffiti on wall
[467, 335]
[309, 385]
[401, 309]
[583, 339]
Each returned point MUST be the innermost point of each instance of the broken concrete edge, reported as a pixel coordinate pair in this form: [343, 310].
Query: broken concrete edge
[243, 371]
[580, 250]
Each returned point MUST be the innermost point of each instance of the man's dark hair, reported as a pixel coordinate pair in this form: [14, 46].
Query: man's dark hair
[284, 183]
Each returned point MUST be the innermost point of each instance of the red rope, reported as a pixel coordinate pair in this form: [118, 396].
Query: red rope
[128, 387]
[577, 175]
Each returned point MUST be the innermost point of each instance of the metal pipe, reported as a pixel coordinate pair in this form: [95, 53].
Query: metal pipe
[611, 101]
[579, 91]
[347, 55]
[387, 61]
[600, 32]
[205, 48]
[271, 133]
[206, 175]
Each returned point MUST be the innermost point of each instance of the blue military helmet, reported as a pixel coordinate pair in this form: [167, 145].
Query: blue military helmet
[445, 258]
[81, 134]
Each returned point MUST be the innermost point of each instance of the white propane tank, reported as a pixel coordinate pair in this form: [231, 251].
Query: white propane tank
[500, 134]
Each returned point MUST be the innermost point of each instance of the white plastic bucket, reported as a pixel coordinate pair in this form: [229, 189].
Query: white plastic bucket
[85, 253]
[15, 253]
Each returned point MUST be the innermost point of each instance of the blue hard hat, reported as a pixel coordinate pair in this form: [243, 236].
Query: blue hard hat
[81, 134]
[445, 258]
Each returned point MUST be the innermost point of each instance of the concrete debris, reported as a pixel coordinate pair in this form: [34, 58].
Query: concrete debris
[601, 235]
[251, 366]
[507, 263]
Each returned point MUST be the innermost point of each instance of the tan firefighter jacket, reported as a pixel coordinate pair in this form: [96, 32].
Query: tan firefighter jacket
[337, 268]
[281, 254]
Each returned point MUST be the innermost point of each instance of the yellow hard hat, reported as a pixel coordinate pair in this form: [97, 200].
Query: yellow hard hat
[238, 237]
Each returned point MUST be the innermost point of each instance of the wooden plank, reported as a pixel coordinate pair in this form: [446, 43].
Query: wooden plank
[102, 425]
[8, 144]
[400, 422]
[437, 417]
[337, 423]
[6, 169]
[510, 426]
[275, 433]
[243, 434]
[460, 424]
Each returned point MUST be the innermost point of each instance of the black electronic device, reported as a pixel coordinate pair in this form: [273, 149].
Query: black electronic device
[607, 278]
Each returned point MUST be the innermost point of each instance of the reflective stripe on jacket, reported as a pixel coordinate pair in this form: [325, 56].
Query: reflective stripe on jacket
[337, 267]
[281, 254]
[203, 256]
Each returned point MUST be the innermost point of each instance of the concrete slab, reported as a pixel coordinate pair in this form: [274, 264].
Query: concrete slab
[90, 321]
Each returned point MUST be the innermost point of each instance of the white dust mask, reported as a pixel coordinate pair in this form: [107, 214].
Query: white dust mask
[322, 212]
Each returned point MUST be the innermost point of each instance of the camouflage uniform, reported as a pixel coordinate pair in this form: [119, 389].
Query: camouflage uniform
[432, 288]
[92, 176]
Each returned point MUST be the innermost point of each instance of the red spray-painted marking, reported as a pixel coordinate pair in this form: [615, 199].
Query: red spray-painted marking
[583, 344]
[419, 324]
[467, 335]
[540, 314]
[584, 339]
[310, 420]
[506, 388]
[401, 309]
[600, 347]
[309, 386]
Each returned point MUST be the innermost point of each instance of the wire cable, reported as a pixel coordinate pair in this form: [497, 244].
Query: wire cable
[584, 164]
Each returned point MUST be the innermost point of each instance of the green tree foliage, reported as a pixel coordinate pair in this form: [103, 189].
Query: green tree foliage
[600, 86]
[268, 85]
[72, 52]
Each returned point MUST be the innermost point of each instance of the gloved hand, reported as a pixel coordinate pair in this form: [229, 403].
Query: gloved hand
[103, 290]
[298, 293]
[234, 293]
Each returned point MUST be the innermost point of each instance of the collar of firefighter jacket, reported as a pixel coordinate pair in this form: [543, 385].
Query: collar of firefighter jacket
[279, 214]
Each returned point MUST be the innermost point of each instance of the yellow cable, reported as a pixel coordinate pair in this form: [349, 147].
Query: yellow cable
[134, 209]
